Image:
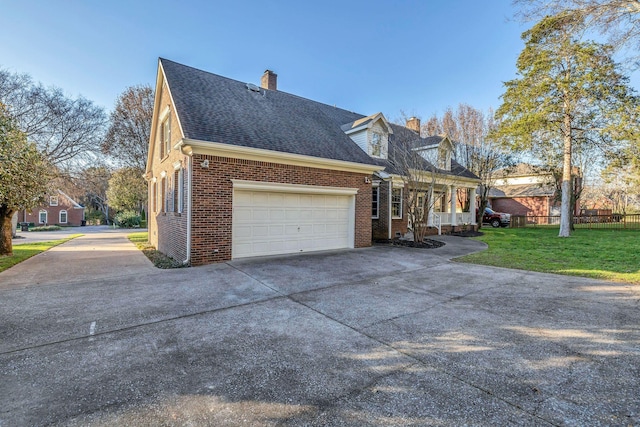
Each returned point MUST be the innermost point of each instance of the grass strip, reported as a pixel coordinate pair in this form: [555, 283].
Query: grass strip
[160, 260]
[598, 253]
[22, 251]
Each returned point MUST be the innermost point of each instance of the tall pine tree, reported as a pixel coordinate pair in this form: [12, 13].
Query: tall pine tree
[568, 92]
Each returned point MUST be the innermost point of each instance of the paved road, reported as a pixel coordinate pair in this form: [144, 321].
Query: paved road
[91, 333]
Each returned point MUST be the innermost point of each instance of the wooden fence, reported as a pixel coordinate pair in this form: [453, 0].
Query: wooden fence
[611, 221]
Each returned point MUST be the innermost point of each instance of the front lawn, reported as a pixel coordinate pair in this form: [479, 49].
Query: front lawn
[600, 254]
[27, 250]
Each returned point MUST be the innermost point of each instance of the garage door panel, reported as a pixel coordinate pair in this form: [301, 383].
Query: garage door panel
[267, 223]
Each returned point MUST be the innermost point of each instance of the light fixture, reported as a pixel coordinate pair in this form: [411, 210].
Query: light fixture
[205, 163]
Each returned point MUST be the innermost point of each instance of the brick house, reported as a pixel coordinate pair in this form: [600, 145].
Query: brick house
[58, 209]
[527, 190]
[238, 170]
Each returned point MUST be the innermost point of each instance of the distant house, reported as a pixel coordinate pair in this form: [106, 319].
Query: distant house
[238, 170]
[58, 209]
[525, 190]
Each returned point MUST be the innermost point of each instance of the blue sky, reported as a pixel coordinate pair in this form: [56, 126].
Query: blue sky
[364, 56]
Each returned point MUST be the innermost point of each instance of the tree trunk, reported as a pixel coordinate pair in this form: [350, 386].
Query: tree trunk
[6, 231]
[565, 206]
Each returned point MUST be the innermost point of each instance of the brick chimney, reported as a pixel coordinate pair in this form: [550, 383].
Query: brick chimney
[413, 123]
[269, 80]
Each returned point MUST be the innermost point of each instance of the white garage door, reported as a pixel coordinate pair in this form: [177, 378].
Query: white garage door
[272, 222]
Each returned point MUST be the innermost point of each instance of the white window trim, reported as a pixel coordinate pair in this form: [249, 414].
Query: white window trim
[401, 202]
[180, 190]
[66, 214]
[46, 214]
[376, 189]
[51, 199]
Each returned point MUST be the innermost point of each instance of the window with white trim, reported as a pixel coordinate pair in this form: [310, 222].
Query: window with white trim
[180, 184]
[53, 201]
[163, 189]
[62, 217]
[165, 136]
[171, 200]
[396, 203]
[376, 145]
[375, 202]
[154, 197]
[42, 217]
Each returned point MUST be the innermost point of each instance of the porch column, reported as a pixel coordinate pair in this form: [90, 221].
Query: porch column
[454, 197]
[472, 205]
[431, 203]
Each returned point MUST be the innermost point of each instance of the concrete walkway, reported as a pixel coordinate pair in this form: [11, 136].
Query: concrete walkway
[383, 336]
[100, 253]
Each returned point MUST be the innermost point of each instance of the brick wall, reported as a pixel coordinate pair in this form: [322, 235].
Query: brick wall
[531, 206]
[380, 226]
[213, 200]
[167, 230]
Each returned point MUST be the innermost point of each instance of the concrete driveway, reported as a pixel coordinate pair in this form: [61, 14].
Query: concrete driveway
[92, 334]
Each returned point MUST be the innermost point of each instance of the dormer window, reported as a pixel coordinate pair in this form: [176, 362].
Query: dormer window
[376, 145]
[444, 158]
[371, 133]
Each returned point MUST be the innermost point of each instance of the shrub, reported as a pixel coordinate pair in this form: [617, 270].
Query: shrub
[46, 228]
[127, 219]
[94, 217]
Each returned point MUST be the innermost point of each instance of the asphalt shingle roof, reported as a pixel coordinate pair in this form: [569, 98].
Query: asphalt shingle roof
[218, 109]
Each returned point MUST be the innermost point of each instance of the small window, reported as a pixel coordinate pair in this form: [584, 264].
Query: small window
[375, 202]
[42, 217]
[376, 144]
[63, 217]
[396, 203]
[165, 137]
[154, 197]
[53, 201]
[180, 185]
[163, 189]
[170, 195]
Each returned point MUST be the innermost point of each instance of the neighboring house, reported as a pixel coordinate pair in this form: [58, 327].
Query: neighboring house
[524, 190]
[236, 170]
[58, 209]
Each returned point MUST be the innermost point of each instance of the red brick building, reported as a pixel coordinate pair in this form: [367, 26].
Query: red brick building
[236, 170]
[58, 209]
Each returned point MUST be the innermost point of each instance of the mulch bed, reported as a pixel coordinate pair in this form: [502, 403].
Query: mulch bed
[469, 233]
[426, 244]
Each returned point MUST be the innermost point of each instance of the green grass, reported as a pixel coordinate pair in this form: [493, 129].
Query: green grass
[600, 254]
[27, 250]
[160, 260]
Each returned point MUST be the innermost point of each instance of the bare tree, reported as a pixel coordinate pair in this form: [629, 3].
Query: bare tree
[64, 129]
[618, 20]
[127, 138]
[469, 128]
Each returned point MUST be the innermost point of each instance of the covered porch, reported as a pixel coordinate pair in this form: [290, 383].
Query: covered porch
[453, 207]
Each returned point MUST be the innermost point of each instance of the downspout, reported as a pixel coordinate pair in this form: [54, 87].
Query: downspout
[187, 150]
[390, 186]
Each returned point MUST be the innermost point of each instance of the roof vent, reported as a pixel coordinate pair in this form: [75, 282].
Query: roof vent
[253, 87]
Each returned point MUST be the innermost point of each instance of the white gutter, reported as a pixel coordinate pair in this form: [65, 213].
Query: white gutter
[390, 184]
[189, 152]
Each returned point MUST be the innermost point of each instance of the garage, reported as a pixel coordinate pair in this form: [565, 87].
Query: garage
[272, 219]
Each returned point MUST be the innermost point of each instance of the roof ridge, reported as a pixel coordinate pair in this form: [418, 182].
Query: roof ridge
[261, 88]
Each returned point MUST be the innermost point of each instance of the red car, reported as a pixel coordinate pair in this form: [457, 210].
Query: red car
[496, 219]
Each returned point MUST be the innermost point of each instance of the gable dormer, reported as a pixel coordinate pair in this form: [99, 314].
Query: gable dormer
[371, 133]
[445, 152]
[438, 153]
